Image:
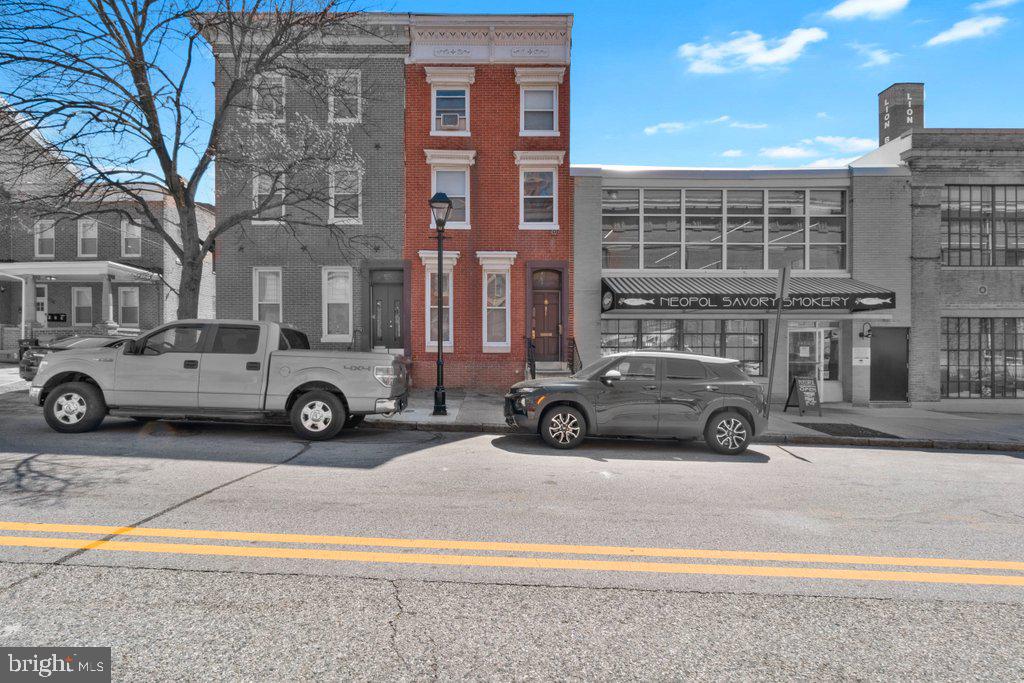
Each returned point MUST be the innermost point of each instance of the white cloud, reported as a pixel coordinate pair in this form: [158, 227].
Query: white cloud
[732, 153]
[787, 152]
[975, 27]
[748, 126]
[875, 56]
[831, 162]
[847, 144]
[670, 127]
[822, 115]
[748, 50]
[721, 119]
[870, 9]
[992, 4]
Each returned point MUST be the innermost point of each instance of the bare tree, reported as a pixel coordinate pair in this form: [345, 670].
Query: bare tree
[107, 88]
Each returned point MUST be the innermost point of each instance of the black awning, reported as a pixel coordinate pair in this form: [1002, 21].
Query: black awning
[723, 293]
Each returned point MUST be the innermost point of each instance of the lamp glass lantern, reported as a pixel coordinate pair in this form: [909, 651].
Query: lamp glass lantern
[441, 207]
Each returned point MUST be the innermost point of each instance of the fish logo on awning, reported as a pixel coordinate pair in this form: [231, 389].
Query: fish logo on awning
[872, 301]
[636, 302]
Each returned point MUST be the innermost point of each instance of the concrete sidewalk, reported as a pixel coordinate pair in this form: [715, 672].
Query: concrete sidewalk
[952, 425]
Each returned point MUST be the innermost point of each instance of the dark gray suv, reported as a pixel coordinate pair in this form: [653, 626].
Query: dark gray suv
[644, 394]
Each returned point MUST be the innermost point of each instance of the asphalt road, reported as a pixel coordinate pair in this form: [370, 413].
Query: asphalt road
[220, 551]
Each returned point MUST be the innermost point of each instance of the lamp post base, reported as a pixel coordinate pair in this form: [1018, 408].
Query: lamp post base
[439, 405]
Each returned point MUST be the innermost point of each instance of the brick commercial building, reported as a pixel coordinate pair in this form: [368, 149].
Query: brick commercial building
[908, 264]
[327, 258]
[487, 123]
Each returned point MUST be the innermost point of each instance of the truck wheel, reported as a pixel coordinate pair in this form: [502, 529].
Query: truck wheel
[75, 407]
[353, 421]
[728, 433]
[318, 415]
[563, 427]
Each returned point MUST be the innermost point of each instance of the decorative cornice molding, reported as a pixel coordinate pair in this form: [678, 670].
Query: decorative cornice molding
[543, 158]
[453, 157]
[539, 75]
[451, 75]
[429, 258]
[497, 260]
[490, 39]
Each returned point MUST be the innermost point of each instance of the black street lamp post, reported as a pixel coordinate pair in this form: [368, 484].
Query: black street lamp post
[441, 207]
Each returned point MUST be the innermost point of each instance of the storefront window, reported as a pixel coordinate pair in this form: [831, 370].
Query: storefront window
[983, 225]
[739, 339]
[982, 358]
[736, 229]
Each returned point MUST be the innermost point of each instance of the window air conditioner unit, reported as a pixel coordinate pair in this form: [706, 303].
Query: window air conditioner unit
[449, 121]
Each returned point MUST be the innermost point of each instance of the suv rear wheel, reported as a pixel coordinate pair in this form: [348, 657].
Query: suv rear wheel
[75, 407]
[563, 427]
[728, 433]
[318, 415]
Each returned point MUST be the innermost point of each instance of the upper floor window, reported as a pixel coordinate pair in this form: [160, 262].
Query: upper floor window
[449, 99]
[131, 239]
[268, 98]
[538, 99]
[44, 239]
[539, 197]
[268, 196]
[88, 237]
[983, 225]
[346, 196]
[735, 229]
[344, 99]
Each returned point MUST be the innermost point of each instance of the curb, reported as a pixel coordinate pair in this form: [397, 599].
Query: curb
[771, 439]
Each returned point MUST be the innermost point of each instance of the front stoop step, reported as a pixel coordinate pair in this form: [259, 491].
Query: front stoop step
[552, 369]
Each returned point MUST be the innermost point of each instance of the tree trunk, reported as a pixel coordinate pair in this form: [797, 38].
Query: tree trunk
[188, 288]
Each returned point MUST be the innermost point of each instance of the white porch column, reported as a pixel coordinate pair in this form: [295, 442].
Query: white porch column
[108, 304]
[28, 305]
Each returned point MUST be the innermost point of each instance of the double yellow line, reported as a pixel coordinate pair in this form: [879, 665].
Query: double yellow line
[526, 555]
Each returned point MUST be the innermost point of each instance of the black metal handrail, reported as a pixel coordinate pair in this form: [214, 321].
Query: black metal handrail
[531, 358]
[575, 362]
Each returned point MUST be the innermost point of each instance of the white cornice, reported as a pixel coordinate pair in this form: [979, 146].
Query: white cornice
[545, 158]
[451, 157]
[497, 260]
[451, 75]
[484, 39]
[539, 75]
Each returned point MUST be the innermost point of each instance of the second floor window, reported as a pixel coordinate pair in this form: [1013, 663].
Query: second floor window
[345, 97]
[983, 225]
[131, 239]
[346, 196]
[44, 239]
[451, 110]
[455, 184]
[88, 237]
[268, 196]
[268, 97]
[538, 197]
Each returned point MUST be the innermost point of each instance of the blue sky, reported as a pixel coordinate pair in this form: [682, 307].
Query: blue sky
[802, 93]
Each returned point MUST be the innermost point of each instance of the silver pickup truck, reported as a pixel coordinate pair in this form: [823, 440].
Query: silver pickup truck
[221, 370]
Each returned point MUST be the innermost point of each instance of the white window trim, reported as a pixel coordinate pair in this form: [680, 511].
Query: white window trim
[324, 337]
[74, 308]
[120, 304]
[256, 290]
[335, 73]
[450, 78]
[256, 220]
[37, 229]
[429, 259]
[341, 220]
[497, 263]
[553, 225]
[452, 160]
[124, 233]
[284, 98]
[523, 132]
[81, 223]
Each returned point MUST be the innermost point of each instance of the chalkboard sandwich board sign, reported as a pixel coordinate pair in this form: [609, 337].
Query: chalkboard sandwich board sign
[803, 394]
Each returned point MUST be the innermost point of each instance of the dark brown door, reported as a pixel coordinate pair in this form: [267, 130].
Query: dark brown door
[890, 356]
[387, 325]
[546, 316]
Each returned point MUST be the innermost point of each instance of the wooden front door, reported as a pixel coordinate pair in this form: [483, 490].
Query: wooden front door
[546, 316]
[387, 324]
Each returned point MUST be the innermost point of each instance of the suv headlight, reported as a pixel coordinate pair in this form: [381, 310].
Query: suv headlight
[385, 374]
[527, 390]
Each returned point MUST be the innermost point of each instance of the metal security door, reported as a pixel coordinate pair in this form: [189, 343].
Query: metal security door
[387, 324]
[890, 364]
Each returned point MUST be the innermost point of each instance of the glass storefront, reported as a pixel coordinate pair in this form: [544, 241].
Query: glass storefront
[982, 358]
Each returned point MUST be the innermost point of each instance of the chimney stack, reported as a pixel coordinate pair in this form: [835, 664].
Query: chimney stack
[900, 108]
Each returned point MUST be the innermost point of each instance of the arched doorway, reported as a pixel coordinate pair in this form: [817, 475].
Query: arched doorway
[546, 314]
